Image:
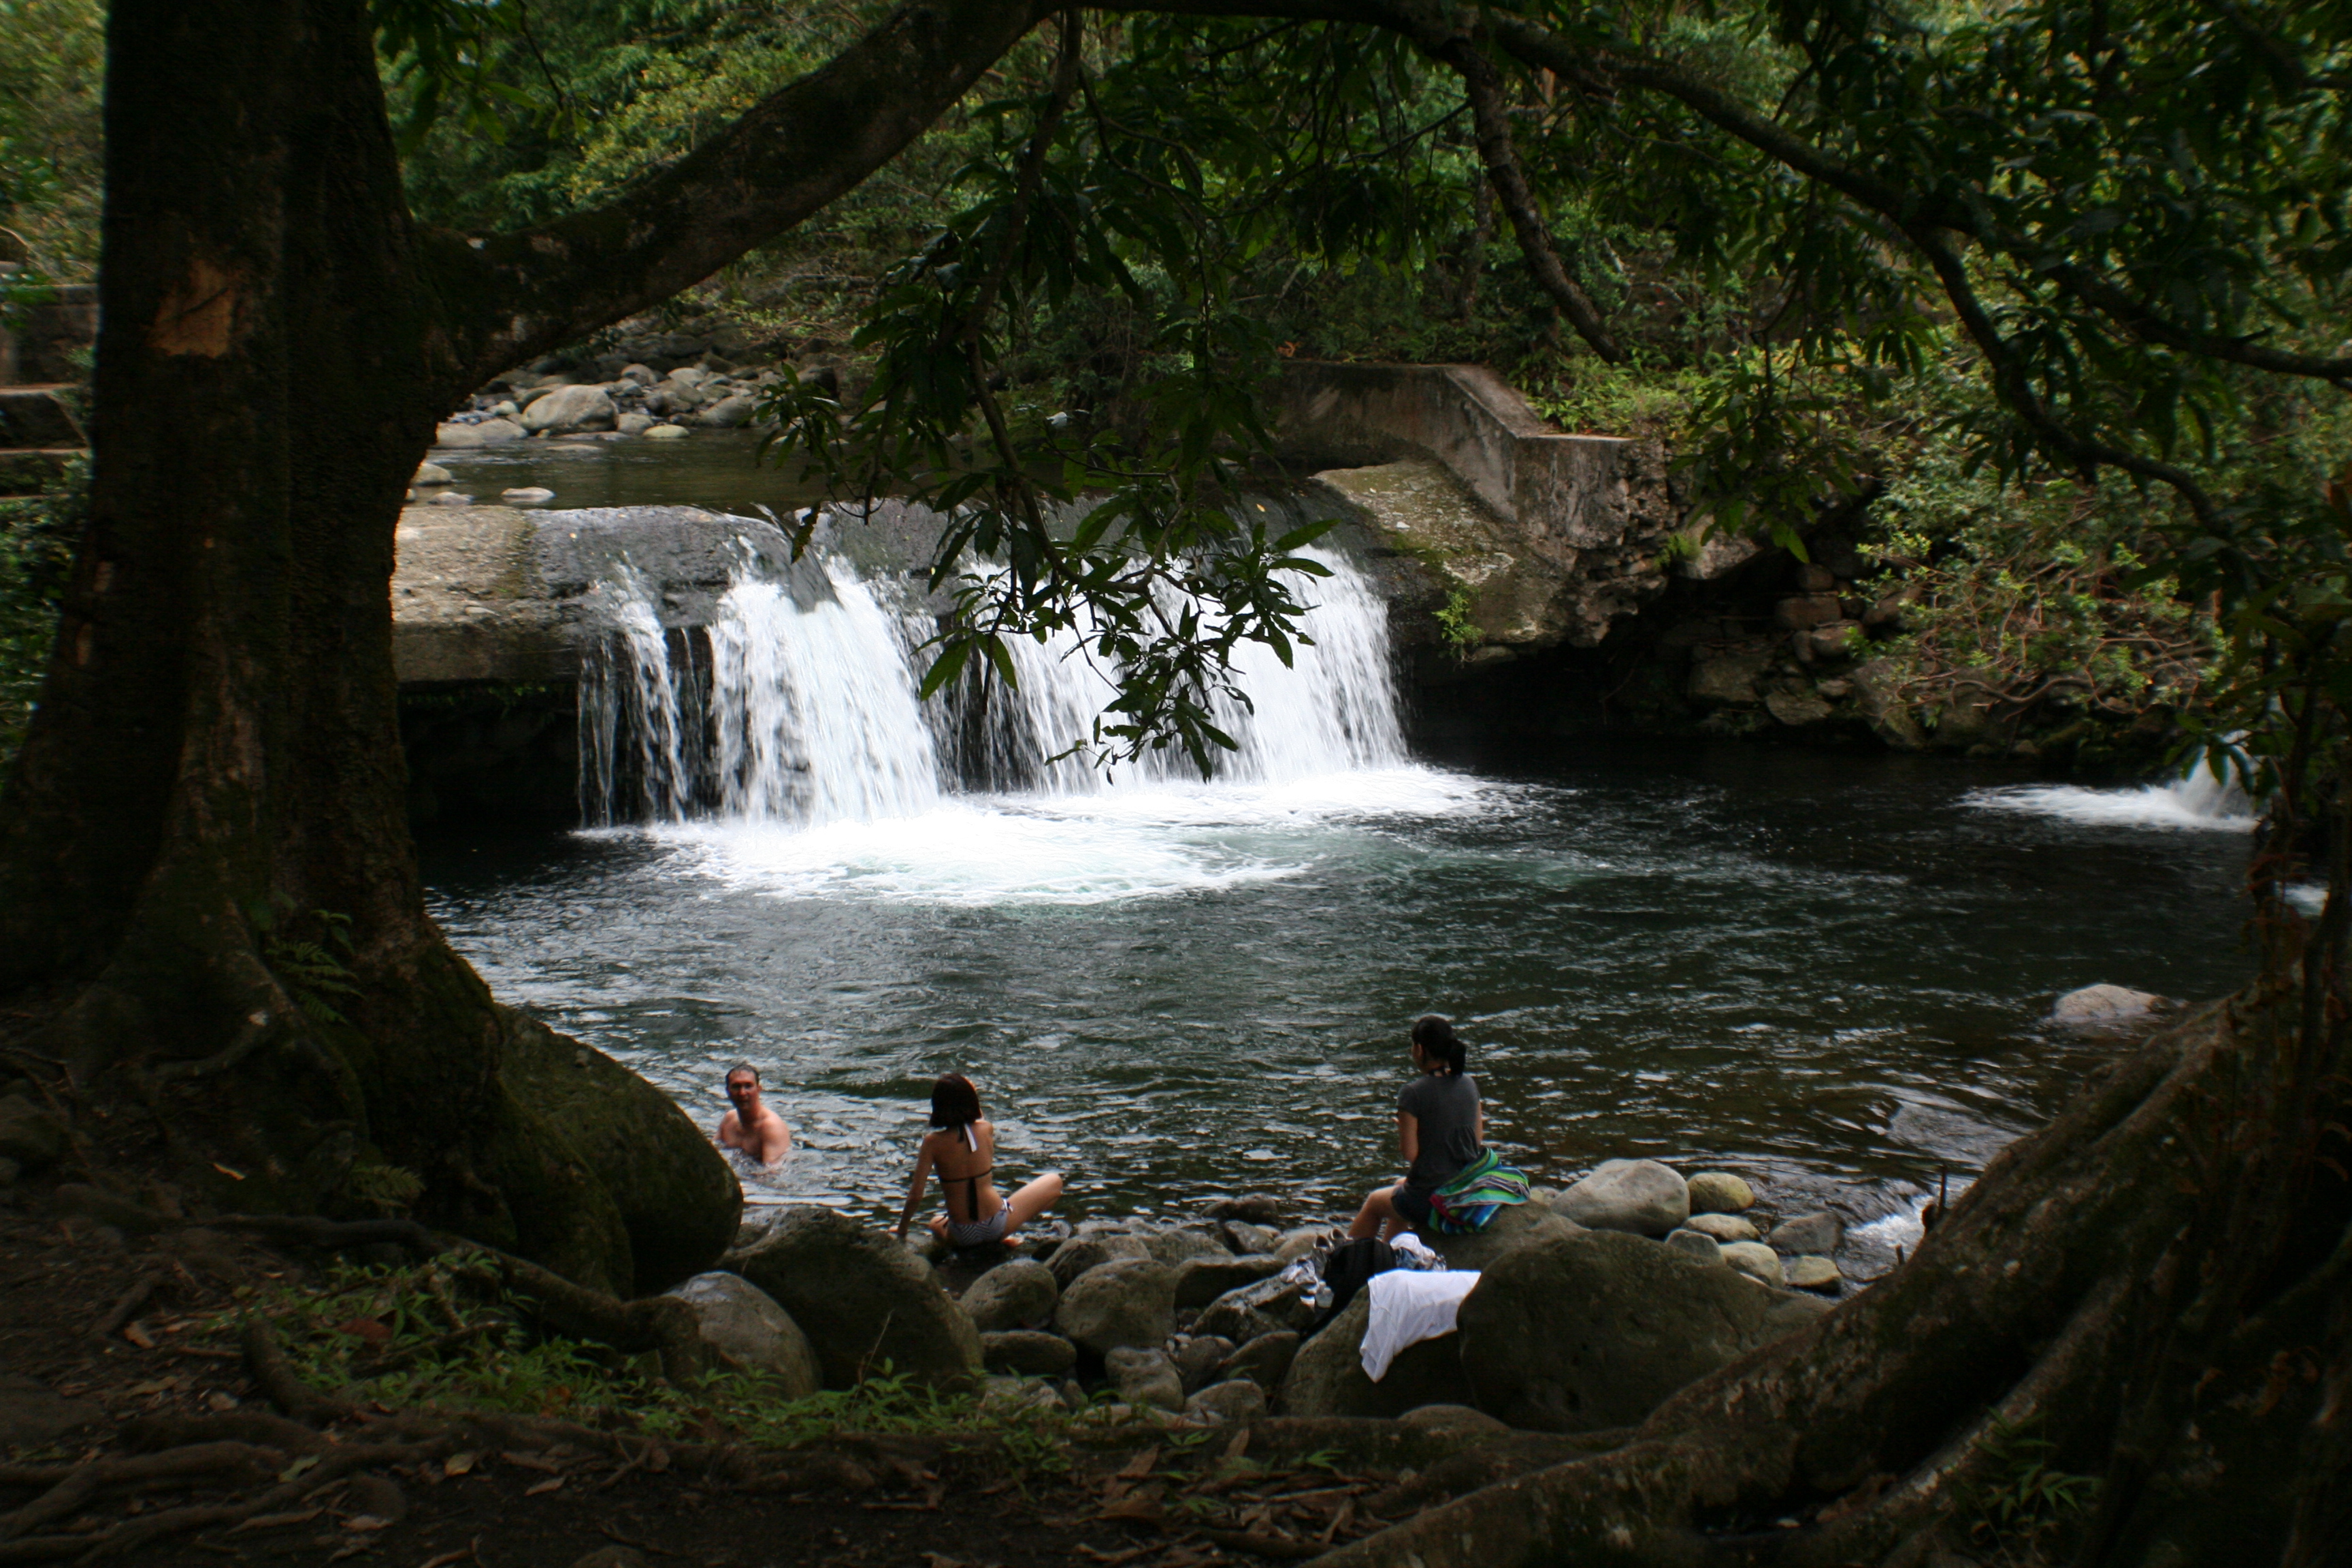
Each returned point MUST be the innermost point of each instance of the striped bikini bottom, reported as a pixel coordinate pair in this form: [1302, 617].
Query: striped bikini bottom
[980, 1233]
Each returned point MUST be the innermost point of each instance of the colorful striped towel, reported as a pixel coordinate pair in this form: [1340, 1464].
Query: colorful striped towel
[1478, 1192]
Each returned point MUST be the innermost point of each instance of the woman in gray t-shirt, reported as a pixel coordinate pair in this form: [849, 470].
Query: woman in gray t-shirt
[1440, 1126]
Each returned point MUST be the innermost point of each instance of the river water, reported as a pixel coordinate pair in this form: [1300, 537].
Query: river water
[1823, 971]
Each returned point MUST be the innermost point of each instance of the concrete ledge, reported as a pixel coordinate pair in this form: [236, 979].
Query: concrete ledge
[497, 593]
[1563, 494]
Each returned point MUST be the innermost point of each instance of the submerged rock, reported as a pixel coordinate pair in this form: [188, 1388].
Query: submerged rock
[1639, 1196]
[2103, 1007]
[1583, 1331]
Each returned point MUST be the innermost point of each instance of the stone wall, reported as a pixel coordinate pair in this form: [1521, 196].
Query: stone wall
[1537, 538]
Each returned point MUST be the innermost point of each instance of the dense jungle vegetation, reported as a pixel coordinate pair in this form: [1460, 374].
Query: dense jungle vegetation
[1373, 232]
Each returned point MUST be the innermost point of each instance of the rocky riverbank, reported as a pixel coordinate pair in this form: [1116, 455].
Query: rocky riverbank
[1593, 1303]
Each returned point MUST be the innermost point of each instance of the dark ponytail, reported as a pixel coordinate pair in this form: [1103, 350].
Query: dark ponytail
[1435, 1035]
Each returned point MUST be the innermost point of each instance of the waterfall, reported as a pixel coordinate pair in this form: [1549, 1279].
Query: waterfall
[2197, 799]
[809, 712]
[2200, 792]
[635, 711]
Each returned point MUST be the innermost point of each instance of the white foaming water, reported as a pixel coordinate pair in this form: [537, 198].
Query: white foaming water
[628, 691]
[815, 710]
[830, 776]
[2197, 799]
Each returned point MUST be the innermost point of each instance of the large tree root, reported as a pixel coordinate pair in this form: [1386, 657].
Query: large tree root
[2029, 1308]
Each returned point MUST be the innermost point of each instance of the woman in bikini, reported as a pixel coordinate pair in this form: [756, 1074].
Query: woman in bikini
[961, 1146]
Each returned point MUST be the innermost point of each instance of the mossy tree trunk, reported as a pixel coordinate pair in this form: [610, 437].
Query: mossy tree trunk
[207, 888]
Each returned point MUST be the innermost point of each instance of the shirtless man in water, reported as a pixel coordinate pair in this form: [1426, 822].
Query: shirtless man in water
[751, 1126]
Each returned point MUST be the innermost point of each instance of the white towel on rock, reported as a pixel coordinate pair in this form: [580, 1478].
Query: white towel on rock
[1408, 1307]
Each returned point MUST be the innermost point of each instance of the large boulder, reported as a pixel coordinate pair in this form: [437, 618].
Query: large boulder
[730, 412]
[1512, 1226]
[862, 1299]
[647, 1200]
[1019, 1294]
[1080, 1253]
[1327, 1375]
[1127, 1302]
[749, 1330]
[1639, 1196]
[571, 408]
[1579, 1333]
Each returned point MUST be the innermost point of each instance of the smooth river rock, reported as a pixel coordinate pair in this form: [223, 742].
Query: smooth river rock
[1080, 1253]
[1720, 1191]
[1724, 1226]
[1185, 1242]
[1814, 1273]
[1145, 1377]
[1583, 1331]
[1697, 1244]
[861, 1297]
[667, 433]
[1818, 1233]
[1756, 1260]
[1128, 1301]
[1639, 1196]
[749, 1330]
[1326, 1376]
[571, 408]
[2102, 1007]
[1019, 1294]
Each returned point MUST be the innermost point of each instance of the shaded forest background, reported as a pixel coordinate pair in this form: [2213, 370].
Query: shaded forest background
[1393, 248]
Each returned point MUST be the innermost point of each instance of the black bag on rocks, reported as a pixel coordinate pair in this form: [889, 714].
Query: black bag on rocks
[1349, 1267]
